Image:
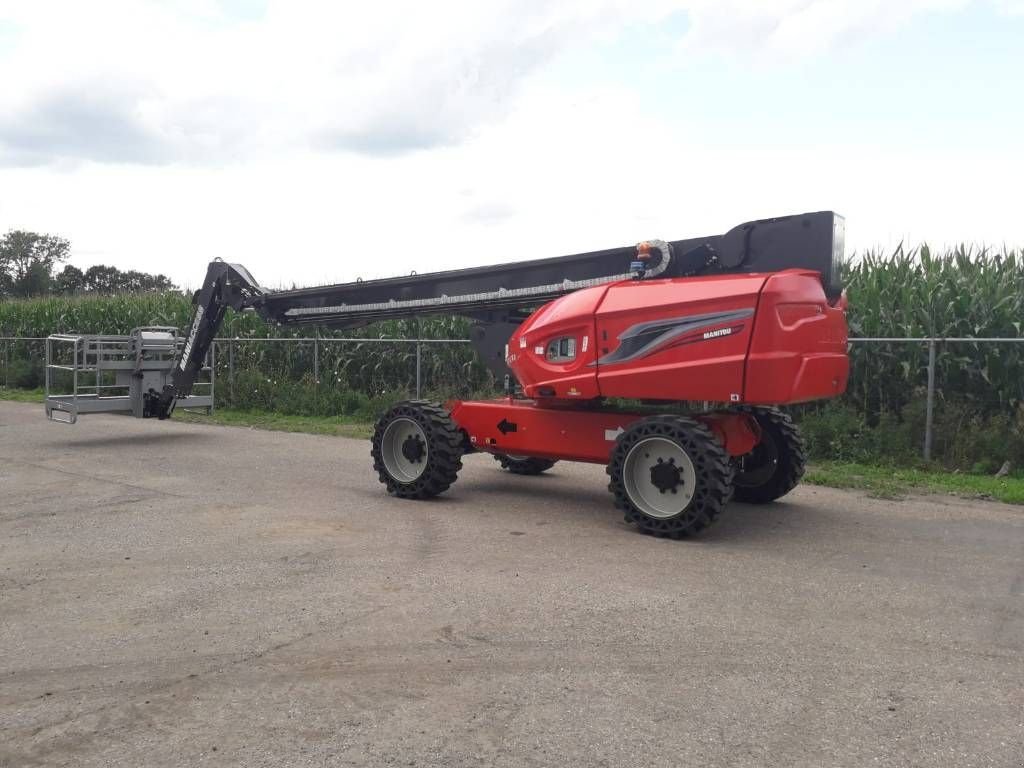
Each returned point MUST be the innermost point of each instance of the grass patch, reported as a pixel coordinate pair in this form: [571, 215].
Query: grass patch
[341, 426]
[22, 395]
[894, 482]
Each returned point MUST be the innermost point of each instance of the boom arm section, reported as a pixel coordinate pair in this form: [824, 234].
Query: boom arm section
[809, 240]
[226, 285]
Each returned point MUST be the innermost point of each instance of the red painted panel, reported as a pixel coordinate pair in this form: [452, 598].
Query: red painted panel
[798, 348]
[678, 339]
[527, 428]
[760, 338]
[569, 316]
[550, 433]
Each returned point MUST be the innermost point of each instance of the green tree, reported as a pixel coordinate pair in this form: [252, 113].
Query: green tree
[70, 280]
[101, 279]
[104, 279]
[26, 258]
[138, 282]
[35, 282]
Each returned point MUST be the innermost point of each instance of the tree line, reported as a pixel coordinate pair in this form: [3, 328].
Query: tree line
[29, 262]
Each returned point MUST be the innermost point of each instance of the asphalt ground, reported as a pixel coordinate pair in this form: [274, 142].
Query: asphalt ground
[182, 594]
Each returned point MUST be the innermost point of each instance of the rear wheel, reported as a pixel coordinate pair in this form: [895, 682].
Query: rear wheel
[523, 465]
[417, 450]
[670, 476]
[776, 464]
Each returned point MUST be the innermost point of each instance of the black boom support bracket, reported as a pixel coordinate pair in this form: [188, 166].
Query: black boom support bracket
[226, 285]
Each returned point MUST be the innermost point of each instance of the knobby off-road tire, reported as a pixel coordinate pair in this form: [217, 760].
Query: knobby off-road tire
[776, 464]
[524, 465]
[417, 450]
[670, 476]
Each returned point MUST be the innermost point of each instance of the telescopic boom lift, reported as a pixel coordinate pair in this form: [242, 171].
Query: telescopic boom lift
[709, 334]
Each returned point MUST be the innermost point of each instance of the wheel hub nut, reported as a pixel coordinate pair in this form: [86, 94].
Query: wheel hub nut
[413, 449]
[666, 476]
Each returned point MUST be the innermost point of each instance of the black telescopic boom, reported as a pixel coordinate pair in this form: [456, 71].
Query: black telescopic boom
[810, 241]
[226, 285]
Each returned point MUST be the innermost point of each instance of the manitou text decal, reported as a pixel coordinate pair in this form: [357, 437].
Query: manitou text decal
[719, 332]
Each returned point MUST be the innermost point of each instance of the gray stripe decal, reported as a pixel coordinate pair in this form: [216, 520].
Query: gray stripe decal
[643, 338]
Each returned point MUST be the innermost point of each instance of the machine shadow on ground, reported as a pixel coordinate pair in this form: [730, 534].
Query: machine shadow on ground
[590, 504]
[154, 439]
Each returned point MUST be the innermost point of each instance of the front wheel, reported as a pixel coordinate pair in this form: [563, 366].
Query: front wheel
[670, 476]
[417, 450]
[776, 464]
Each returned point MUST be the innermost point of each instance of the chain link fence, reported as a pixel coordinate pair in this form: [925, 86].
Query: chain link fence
[313, 373]
[324, 376]
[332, 376]
[970, 379]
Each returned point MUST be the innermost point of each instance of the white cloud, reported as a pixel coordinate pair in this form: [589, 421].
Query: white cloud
[156, 82]
[792, 29]
[378, 78]
[160, 135]
[557, 176]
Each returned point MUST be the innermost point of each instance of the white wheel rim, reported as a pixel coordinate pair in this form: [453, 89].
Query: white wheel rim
[399, 437]
[666, 491]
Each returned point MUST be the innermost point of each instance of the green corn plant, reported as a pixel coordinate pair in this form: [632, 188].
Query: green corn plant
[965, 292]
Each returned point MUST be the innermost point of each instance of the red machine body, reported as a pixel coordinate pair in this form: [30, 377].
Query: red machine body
[755, 338]
[738, 339]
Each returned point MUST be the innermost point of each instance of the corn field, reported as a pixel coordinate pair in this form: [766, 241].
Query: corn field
[966, 292]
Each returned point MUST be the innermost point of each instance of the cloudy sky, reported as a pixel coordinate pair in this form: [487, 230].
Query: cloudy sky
[321, 141]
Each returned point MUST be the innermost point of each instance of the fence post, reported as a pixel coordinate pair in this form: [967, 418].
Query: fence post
[213, 375]
[418, 356]
[231, 371]
[316, 369]
[929, 410]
